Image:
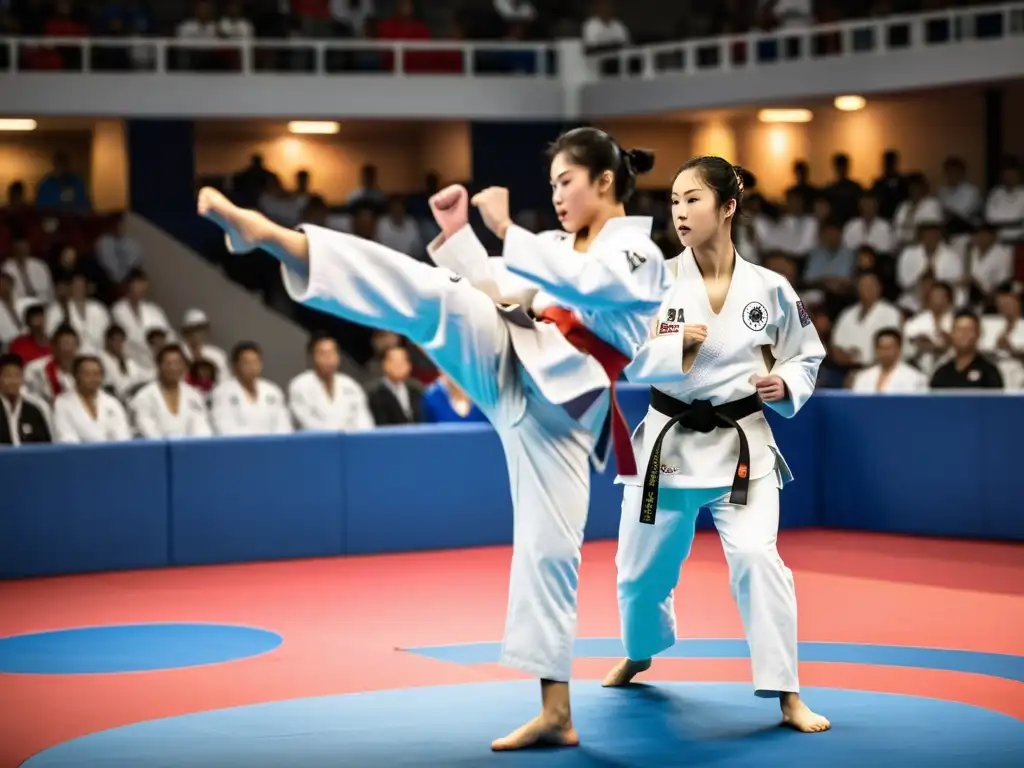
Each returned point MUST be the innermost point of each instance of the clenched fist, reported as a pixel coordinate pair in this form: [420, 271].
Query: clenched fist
[450, 207]
[694, 335]
[772, 389]
[493, 206]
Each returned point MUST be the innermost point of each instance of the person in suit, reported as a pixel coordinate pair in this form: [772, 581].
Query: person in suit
[22, 418]
[397, 398]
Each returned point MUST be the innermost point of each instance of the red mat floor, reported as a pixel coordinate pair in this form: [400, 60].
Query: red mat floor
[343, 621]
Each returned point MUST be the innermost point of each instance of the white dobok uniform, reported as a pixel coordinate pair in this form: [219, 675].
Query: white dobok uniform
[547, 400]
[345, 408]
[762, 328]
[154, 420]
[73, 423]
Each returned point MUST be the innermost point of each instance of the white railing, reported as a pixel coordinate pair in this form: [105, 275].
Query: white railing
[265, 56]
[813, 43]
[539, 60]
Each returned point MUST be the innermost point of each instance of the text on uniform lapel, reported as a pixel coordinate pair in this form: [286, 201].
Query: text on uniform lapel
[636, 260]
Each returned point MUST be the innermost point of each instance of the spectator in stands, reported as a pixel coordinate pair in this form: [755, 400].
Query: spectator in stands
[796, 234]
[844, 193]
[753, 233]
[853, 337]
[87, 414]
[279, 205]
[929, 332]
[1005, 204]
[930, 255]
[34, 343]
[397, 398]
[137, 315]
[87, 316]
[168, 407]
[869, 228]
[202, 376]
[156, 339]
[32, 278]
[1002, 335]
[303, 194]
[64, 21]
[351, 17]
[233, 24]
[989, 263]
[960, 199]
[248, 404]
[16, 197]
[890, 189]
[249, 183]
[399, 232]
[790, 14]
[803, 186]
[918, 205]
[603, 31]
[195, 330]
[445, 403]
[368, 191]
[889, 375]
[25, 420]
[380, 342]
[62, 188]
[968, 369]
[10, 317]
[47, 377]
[202, 25]
[121, 375]
[324, 399]
[831, 265]
[364, 219]
[404, 25]
[314, 18]
[118, 253]
[515, 11]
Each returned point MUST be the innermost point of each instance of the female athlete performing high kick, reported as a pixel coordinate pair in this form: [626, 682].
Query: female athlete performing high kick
[730, 338]
[536, 339]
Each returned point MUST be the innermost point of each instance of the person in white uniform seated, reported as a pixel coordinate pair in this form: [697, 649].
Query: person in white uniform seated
[168, 407]
[195, 331]
[853, 335]
[122, 375]
[1005, 204]
[930, 255]
[47, 377]
[928, 333]
[1002, 335]
[137, 315]
[88, 414]
[324, 399]
[247, 404]
[87, 316]
[989, 263]
[889, 375]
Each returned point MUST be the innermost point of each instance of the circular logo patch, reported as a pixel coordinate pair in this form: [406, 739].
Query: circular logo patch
[755, 316]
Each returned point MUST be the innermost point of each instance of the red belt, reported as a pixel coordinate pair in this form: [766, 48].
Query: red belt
[614, 363]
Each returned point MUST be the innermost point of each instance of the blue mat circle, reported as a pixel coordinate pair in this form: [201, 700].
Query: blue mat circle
[131, 648]
[661, 724]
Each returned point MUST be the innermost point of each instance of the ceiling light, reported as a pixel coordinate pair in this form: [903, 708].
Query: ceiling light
[849, 103]
[313, 126]
[785, 116]
[17, 124]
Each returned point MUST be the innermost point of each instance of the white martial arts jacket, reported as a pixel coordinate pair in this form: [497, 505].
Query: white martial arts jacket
[346, 409]
[762, 328]
[90, 322]
[153, 419]
[235, 413]
[74, 424]
[903, 380]
[615, 289]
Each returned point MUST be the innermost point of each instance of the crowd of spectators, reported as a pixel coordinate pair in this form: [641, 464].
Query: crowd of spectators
[601, 24]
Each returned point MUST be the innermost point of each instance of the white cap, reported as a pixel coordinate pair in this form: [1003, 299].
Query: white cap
[194, 318]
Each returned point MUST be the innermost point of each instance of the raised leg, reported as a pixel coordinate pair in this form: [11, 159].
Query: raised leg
[763, 589]
[648, 560]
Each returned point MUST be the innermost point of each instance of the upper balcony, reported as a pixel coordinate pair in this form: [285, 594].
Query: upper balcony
[149, 77]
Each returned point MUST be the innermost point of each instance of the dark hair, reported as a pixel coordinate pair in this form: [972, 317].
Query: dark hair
[1010, 163]
[869, 273]
[157, 331]
[316, 338]
[595, 150]
[241, 348]
[726, 180]
[32, 310]
[893, 333]
[969, 314]
[942, 285]
[389, 350]
[10, 359]
[81, 360]
[64, 329]
[136, 275]
[168, 349]
[112, 330]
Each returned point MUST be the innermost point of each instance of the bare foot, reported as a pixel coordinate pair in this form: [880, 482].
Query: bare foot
[242, 228]
[624, 672]
[799, 717]
[542, 731]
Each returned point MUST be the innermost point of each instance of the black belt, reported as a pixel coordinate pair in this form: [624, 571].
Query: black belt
[698, 416]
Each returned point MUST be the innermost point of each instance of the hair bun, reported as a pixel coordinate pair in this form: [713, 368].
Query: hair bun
[746, 178]
[642, 160]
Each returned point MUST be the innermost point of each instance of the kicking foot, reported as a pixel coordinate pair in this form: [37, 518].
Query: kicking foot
[624, 672]
[242, 228]
[542, 731]
[799, 717]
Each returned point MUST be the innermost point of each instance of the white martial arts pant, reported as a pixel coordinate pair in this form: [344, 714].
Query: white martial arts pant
[547, 451]
[649, 559]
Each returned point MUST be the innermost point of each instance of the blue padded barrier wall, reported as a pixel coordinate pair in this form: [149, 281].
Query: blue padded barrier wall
[68, 510]
[934, 465]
